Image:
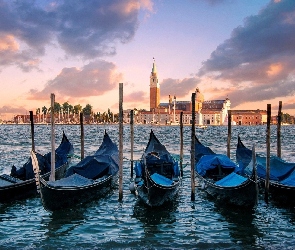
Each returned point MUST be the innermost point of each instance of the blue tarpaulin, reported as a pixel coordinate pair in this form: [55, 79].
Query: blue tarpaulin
[212, 161]
[162, 180]
[71, 181]
[290, 180]
[231, 180]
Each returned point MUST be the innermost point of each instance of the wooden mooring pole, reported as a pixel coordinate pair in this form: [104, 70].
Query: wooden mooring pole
[132, 139]
[120, 141]
[181, 144]
[267, 153]
[32, 130]
[193, 148]
[82, 135]
[255, 171]
[279, 150]
[52, 174]
[228, 132]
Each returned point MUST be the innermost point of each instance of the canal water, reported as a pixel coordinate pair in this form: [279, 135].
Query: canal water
[106, 223]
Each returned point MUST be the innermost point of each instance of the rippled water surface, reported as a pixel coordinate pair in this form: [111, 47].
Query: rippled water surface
[107, 223]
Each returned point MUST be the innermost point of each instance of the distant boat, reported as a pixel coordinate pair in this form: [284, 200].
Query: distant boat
[282, 173]
[157, 174]
[222, 179]
[91, 178]
[21, 184]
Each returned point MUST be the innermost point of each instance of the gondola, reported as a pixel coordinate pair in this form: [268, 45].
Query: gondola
[281, 175]
[157, 174]
[20, 184]
[223, 179]
[92, 177]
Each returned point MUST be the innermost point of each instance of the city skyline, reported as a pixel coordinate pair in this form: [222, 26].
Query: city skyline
[80, 51]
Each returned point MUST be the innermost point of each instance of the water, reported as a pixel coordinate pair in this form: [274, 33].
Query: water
[107, 223]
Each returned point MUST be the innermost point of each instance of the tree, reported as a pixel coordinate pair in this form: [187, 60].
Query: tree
[57, 107]
[44, 110]
[77, 109]
[87, 110]
[65, 107]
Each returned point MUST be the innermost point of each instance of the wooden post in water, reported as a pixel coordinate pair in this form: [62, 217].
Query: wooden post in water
[120, 141]
[267, 153]
[32, 130]
[228, 132]
[181, 144]
[132, 139]
[193, 147]
[279, 151]
[255, 171]
[52, 174]
[82, 135]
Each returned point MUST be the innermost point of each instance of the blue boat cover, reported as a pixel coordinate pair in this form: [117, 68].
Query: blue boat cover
[104, 161]
[279, 169]
[71, 181]
[231, 180]
[207, 162]
[26, 172]
[290, 180]
[138, 168]
[162, 180]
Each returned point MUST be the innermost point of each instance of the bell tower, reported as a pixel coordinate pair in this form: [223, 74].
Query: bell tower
[154, 88]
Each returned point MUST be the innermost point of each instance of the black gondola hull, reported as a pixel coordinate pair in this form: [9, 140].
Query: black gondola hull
[282, 194]
[154, 194]
[57, 198]
[158, 173]
[26, 189]
[244, 195]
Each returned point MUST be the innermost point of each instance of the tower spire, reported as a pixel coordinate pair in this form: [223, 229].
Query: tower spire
[154, 88]
[154, 69]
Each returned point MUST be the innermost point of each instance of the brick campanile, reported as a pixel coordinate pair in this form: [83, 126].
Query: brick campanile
[154, 89]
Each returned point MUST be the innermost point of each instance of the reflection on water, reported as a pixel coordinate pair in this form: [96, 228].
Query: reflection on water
[241, 224]
[61, 223]
[153, 216]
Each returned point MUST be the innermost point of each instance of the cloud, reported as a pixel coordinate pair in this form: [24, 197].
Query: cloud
[88, 29]
[257, 61]
[12, 110]
[94, 79]
[11, 54]
[138, 96]
[179, 88]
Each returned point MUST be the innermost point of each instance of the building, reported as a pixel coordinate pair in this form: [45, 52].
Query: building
[249, 117]
[154, 89]
[168, 113]
[215, 112]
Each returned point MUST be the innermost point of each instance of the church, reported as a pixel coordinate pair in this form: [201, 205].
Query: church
[207, 112]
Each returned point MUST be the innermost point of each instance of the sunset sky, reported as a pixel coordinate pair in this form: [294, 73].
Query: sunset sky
[82, 50]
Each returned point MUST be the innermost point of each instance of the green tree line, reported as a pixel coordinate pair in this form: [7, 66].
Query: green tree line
[67, 108]
[286, 118]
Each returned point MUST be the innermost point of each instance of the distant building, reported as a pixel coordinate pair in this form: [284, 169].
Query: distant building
[214, 112]
[207, 112]
[249, 117]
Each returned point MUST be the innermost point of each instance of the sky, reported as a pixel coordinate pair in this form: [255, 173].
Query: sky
[81, 50]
